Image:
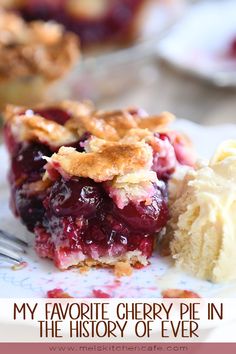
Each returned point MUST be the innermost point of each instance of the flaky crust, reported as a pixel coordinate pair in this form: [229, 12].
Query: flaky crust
[114, 125]
[30, 126]
[37, 128]
[128, 125]
[74, 108]
[35, 48]
[109, 160]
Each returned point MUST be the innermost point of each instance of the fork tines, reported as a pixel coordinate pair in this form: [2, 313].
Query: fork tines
[11, 247]
[8, 236]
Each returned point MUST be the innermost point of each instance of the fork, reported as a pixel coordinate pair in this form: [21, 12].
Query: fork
[11, 248]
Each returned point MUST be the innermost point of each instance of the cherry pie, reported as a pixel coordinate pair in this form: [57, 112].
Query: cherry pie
[95, 21]
[92, 185]
[32, 57]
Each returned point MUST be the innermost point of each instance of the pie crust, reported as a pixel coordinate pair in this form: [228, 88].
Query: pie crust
[111, 126]
[34, 49]
[33, 127]
[109, 161]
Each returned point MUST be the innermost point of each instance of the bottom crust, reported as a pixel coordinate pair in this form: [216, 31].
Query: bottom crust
[122, 264]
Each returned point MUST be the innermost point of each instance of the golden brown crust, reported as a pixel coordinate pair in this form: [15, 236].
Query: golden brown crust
[156, 122]
[109, 160]
[74, 108]
[111, 125]
[77, 109]
[114, 125]
[11, 111]
[35, 48]
[34, 127]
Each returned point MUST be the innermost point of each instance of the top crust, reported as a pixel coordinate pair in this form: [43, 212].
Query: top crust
[114, 125]
[35, 48]
[109, 126]
[36, 128]
[104, 162]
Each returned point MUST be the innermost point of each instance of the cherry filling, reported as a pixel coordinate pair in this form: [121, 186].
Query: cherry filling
[27, 164]
[164, 157]
[11, 144]
[27, 167]
[114, 22]
[81, 198]
[81, 218]
[28, 208]
[55, 114]
[145, 217]
[169, 150]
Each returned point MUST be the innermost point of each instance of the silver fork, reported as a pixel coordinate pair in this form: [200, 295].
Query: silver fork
[11, 248]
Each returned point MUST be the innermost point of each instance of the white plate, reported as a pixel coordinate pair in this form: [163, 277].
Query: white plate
[199, 42]
[40, 275]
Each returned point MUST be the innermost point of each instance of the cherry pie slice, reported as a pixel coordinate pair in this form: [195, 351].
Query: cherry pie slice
[92, 185]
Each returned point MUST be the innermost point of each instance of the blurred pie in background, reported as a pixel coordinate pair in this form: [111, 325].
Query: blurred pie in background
[33, 56]
[95, 21]
[116, 37]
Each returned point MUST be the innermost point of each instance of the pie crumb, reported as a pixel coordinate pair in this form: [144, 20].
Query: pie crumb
[100, 294]
[58, 293]
[178, 294]
[19, 266]
[84, 269]
[122, 269]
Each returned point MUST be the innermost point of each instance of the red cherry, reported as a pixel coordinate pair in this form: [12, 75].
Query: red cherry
[148, 218]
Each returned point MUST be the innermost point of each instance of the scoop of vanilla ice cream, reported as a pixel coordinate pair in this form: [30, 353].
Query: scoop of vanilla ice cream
[203, 217]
